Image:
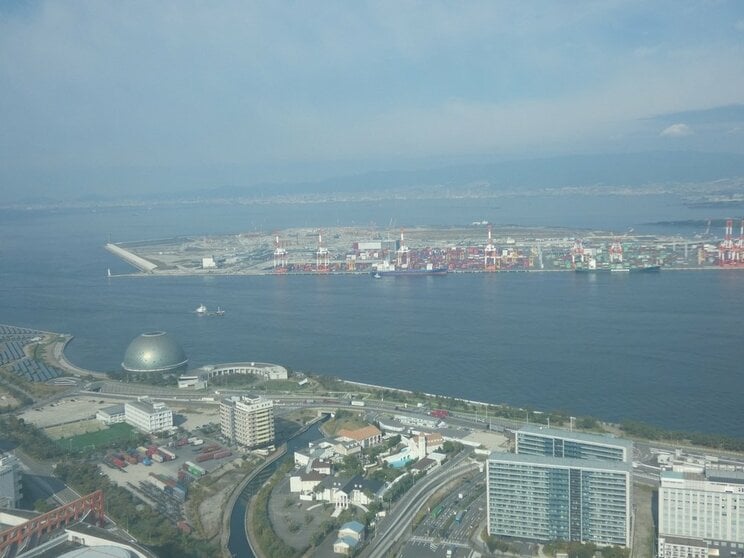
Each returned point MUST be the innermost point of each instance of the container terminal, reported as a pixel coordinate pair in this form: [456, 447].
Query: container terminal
[419, 251]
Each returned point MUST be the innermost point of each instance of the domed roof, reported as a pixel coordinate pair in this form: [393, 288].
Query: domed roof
[154, 352]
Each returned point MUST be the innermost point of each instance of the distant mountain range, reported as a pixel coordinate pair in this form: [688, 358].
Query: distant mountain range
[596, 170]
[631, 169]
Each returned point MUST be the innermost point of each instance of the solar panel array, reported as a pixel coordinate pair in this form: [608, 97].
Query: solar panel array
[10, 351]
[34, 371]
[12, 341]
[9, 330]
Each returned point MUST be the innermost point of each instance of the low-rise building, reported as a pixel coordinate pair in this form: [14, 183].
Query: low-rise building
[147, 415]
[352, 529]
[248, 420]
[366, 437]
[343, 492]
[303, 457]
[201, 376]
[111, 415]
[305, 483]
[344, 546]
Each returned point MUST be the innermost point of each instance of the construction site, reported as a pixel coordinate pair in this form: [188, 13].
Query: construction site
[480, 247]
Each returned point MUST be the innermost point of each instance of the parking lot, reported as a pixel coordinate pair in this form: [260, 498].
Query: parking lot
[67, 410]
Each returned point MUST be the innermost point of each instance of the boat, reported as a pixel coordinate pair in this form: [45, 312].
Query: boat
[201, 310]
[631, 269]
[219, 312]
[409, 272]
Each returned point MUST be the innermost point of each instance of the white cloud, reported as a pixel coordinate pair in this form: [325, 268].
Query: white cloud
[677, 131]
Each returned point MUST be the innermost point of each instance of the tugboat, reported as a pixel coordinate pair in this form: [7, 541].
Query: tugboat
[220, 312]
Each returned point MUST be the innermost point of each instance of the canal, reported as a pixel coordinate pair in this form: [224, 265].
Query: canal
[238, 543]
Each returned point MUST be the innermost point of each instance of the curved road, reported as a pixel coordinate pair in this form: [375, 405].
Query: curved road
[387, 535]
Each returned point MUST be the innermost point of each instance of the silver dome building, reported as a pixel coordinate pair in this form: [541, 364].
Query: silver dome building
[154, 352]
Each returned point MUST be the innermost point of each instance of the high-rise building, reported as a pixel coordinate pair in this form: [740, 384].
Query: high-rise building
[701, 513]
[248, 420]
[539, 440]
[10, 481]
[545, 498]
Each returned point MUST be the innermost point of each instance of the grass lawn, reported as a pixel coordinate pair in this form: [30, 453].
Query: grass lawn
[344, 419]
[74, 429]
[120, 432]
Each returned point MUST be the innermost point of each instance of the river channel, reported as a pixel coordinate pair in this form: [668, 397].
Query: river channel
[238, 543]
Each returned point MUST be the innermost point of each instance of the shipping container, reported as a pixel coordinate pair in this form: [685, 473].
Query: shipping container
[204, 457]
[167, 454]
[222, 454]
[194, 469]
[154, 479]
[158, 458]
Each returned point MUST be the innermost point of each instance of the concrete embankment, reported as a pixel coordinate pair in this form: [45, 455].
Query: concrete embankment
[132, 259]
[55, 356]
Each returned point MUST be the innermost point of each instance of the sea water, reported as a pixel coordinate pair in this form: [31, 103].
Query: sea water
[662, 348]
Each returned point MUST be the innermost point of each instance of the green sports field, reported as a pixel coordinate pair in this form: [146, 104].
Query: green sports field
[120, 433]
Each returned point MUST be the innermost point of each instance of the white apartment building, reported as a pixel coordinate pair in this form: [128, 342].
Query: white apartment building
[10, 481]
[701, 513]
[148, 416]
[248, 420]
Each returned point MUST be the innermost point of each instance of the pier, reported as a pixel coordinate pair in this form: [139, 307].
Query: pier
[140, 263]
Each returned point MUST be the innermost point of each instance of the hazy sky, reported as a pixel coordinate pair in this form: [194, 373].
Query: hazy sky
[98, 95]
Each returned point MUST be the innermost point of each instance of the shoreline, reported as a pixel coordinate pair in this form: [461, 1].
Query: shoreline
[57, 358]
[252, 273]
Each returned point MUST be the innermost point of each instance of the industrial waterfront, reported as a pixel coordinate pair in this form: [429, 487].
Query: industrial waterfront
[605, 344]
[479, 247]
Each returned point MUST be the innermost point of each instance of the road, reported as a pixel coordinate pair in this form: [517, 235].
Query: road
[390, 530]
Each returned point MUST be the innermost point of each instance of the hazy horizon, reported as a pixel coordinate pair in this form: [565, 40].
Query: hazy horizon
[102, 98]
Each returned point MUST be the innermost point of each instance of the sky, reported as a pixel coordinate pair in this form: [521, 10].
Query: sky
[99, 96]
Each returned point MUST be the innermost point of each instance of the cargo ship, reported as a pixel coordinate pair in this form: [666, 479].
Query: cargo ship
[592, 267]
[389, 270]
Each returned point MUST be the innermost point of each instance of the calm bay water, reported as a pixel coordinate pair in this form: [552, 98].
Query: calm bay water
[665, 349]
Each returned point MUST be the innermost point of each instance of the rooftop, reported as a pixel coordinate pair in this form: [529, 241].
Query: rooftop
[562, 462]
[348, 541]
[600, 439]
[147, 406]
[722, 476]
[360, 434]
[113, 410]
[353, 526]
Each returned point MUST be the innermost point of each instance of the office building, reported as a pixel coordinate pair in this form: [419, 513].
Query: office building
[247, 421]
[701, 513]
[10, 481]
[539, 440]
[148, 416]
[545, 498]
